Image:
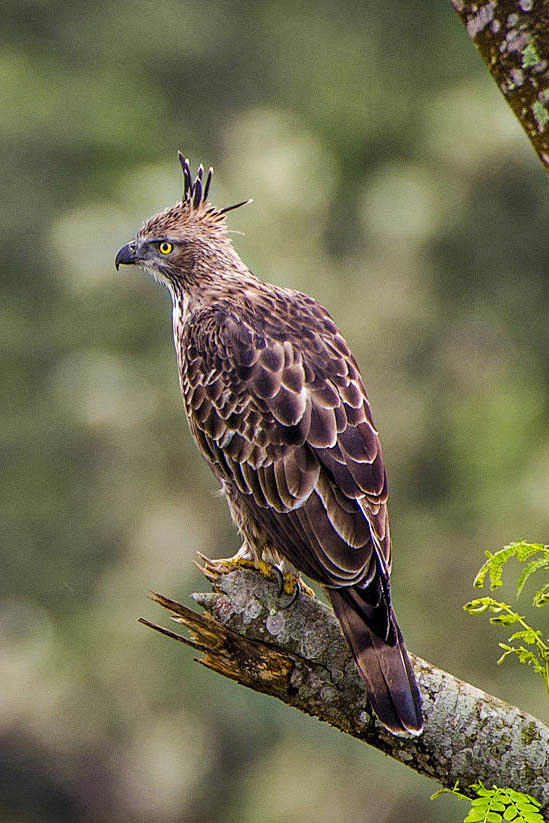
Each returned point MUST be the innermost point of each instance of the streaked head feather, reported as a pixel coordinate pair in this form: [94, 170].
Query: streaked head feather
[194, 214]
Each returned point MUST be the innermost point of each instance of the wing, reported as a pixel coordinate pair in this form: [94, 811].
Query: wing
[282, 413]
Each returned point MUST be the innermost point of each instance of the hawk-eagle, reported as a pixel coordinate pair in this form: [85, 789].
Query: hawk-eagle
[276, 404]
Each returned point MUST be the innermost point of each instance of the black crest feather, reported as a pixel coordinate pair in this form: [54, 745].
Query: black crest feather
[196, 191]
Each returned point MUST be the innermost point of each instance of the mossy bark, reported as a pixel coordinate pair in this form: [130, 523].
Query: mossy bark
[299, 656]
[513, 40]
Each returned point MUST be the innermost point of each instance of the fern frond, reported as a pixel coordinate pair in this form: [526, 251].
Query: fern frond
[534, 565]
[495, 805]
[493, 566]
[524, 655]
[503, 615]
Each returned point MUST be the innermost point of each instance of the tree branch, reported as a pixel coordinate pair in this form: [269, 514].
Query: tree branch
[298, 655]
[512, 37]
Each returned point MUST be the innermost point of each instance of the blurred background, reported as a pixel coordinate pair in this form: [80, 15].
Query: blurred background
[390, 181]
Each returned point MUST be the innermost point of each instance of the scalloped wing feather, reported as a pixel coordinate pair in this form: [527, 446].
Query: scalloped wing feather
[291, 427]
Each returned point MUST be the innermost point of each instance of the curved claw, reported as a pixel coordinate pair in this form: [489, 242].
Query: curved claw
[279, 579]
[293, 598]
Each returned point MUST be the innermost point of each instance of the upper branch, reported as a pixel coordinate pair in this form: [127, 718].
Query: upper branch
[298, 655]
[512, 37]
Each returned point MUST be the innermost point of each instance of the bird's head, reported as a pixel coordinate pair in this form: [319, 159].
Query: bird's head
[180, 243]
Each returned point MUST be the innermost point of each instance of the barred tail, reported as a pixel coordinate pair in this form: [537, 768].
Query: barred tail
[384, 665]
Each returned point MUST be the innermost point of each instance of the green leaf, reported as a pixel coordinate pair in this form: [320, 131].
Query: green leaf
[478, 606]
[526, 656]
[533, 566]
[528, 635]
[493, 567]
[522, 797]
[494, 564]
[478, 582]
[522, 549]
[476, 814]
[453, 790]
[541, 597]
[497, 805]
[504, 619]
[490, 803]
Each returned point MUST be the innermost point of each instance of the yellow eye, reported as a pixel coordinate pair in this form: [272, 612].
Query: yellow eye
[165, 247]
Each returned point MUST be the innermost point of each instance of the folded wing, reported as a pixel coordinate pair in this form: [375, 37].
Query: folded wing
[282, 414]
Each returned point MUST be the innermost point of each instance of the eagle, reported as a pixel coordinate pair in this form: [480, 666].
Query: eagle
[276, 405]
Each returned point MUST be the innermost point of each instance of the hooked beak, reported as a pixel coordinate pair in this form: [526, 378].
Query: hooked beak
[125, 255]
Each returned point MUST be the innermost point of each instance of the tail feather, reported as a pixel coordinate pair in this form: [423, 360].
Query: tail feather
[383, 663]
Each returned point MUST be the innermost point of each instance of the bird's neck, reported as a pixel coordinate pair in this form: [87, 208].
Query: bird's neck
[217, 274]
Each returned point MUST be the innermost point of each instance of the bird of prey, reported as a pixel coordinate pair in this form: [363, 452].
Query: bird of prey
[276, 404]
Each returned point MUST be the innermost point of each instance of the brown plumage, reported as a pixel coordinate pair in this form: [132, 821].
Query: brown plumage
[277, 406]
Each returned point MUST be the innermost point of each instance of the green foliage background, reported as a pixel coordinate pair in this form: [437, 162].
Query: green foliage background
[391, 182]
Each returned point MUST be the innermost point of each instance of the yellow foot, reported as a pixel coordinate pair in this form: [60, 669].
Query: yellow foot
[289, 583]
[293, 584]
[215, 568]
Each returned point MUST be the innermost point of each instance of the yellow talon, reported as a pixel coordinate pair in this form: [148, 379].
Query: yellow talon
[213, 568]
[289, 583]
[265, 568]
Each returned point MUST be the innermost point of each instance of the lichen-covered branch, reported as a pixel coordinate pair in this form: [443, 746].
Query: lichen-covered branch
[298, 655]
[512, 37]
